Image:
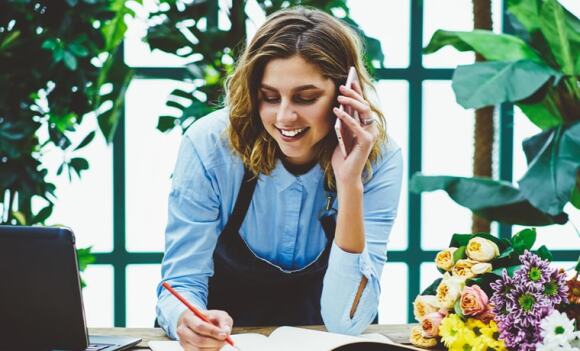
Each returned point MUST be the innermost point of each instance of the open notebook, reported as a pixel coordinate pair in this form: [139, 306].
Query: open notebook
[292, 339]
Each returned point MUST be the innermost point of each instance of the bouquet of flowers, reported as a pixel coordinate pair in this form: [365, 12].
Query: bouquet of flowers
[496, 294]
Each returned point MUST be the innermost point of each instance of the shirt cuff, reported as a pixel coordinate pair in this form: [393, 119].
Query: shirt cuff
[349, 265]
[169, 309]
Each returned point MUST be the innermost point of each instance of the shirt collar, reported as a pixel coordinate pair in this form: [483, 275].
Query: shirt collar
[285, 179]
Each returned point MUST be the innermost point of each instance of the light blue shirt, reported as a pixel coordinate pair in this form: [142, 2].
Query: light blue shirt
[281, 226]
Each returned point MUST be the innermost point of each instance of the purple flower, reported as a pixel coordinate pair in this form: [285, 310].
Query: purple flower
[530, 305]
[522, 301]
[534, 269]
[501, 291]
[516, 337]
[555, 288]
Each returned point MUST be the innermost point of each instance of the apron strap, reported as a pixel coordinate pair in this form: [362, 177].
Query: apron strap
[242, 202]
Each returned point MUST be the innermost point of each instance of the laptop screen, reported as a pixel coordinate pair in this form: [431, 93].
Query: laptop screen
[40, 295]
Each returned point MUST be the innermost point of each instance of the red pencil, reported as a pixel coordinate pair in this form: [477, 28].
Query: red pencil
[191, 307]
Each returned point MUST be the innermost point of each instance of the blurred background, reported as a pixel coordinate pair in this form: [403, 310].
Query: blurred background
[96, 94]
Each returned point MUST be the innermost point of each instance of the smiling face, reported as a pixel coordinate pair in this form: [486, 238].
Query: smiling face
[296, 107]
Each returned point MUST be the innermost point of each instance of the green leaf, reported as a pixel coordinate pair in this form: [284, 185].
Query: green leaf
[459, 254]
[42, 215]
[8, 39]
[554, 27]
[490, 83]
[551, 176]
[78, 50]
[121, 76]
[85, 257]
[70, 61]
[575, 197]
[524, 240]
[492, 46]
[166, 123]
[432, 289]
[544, 253]
[495, 200]
[527, 13]
[87, 140]
[457, 309]
[79, 164]
[544, 114]
[459, 240]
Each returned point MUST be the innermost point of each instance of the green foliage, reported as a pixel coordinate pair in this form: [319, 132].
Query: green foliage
[537, 69]
[56, 56]
[491, 199]
[185, 28]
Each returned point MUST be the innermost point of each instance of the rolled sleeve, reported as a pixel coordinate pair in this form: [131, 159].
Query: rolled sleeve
[346, 270]
[190, 237]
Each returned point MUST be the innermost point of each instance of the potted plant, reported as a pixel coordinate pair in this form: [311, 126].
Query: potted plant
[538, 70]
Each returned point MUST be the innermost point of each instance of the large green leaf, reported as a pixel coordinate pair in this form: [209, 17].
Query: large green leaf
[560, 35]
[490, 83]
[551, 176]
[575, 197]
[527, 12]
[492, 46]
[495, 200]
[545, 113]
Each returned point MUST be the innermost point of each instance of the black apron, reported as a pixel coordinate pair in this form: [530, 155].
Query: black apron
[253, 291]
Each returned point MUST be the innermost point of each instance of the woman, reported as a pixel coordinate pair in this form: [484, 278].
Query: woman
[252, 237]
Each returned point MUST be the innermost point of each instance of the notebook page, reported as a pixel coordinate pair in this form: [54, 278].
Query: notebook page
[292, 338]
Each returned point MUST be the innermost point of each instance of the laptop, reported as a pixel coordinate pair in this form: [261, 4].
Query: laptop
[41, 306]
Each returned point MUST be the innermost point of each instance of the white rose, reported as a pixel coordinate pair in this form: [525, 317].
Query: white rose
[481, 249]
[449, 290]
[444, 259]
[481, 268]
[423, 305]
[462, 268]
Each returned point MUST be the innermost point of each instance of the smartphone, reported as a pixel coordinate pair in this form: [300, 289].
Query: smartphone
[344, 135]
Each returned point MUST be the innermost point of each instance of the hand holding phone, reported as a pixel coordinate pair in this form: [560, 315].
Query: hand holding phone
[344, 135]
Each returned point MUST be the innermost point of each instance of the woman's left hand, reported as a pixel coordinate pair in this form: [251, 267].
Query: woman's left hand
[349, 170]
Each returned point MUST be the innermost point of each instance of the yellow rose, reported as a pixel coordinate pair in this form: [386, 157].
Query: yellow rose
[481, 268]
[449, 290]
[417, 338]
[423, 305]
[481, 249]
[444, 259]
[462, 268]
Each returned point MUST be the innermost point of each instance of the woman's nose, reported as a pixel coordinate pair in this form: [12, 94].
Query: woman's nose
[286, 114]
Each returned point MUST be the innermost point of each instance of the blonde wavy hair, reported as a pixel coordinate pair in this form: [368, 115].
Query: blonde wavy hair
[318, 38]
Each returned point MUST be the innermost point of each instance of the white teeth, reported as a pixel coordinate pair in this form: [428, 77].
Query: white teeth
[292, 133]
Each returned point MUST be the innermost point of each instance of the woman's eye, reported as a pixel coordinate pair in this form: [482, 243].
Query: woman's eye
[270, 99]
[306, 100]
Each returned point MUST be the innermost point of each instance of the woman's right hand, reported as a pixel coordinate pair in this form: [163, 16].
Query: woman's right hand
[195, 334]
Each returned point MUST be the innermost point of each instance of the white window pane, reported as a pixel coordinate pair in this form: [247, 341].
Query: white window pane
[436, 16]
[556, 236]
[394, 102]
[429, 274]
[149, 162]
[86, 204]
[523, 128]
[137, 52]
[393, 301]
[447, 150]
[380, 20]
[98, 295]
[142, 280]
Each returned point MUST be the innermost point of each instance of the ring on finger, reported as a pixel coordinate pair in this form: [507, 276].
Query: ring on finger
[368, 121]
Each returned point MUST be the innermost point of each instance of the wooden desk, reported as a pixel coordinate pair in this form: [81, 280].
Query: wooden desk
[396, 332]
